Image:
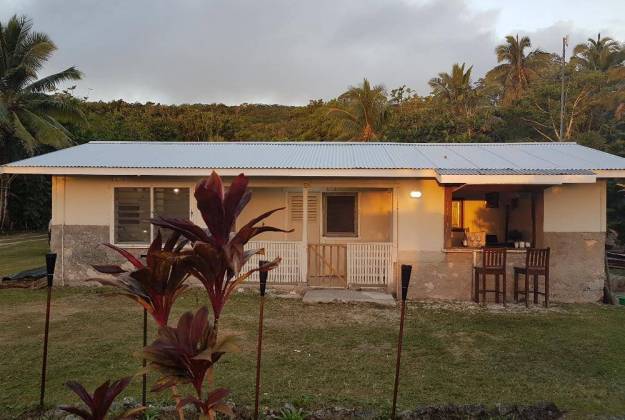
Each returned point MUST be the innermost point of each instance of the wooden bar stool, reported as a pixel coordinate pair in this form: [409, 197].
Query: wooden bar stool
[536, 264]
[493, 263]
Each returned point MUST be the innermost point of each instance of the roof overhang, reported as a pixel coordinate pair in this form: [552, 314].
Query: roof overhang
[259, 172]
[610, 173]
[516, 179]
[443, 178]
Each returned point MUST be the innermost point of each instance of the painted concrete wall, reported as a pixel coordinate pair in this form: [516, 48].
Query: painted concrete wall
[575, 208]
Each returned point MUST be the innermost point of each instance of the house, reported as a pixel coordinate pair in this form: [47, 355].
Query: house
[358, 210]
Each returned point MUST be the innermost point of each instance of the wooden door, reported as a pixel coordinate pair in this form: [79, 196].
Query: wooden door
[327, 265]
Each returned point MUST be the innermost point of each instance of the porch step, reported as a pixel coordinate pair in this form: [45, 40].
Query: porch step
[347, 296]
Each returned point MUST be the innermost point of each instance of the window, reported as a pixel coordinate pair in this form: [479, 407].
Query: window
[340, 214]
[134, 208]
[457, 214]
[132, 215]
[171, 202]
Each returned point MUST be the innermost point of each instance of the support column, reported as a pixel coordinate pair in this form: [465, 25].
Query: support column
[395, 241]
[304, 265]
[447, 216]
[533, 216]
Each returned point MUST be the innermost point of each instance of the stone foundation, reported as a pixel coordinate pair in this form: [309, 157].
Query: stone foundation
[82, 248]
[577, 265]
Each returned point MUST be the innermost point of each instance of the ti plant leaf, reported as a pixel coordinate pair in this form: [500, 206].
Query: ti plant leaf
[157, 284]
[99, 403]
[218, 256]
[212, 405]
[185, 353]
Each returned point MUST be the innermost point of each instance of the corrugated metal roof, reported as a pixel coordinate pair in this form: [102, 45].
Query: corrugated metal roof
[492, 158]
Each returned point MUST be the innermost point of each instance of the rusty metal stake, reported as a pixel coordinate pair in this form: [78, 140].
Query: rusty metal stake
[406, 270]
[50, 263]
[144, 385]
[263, 285]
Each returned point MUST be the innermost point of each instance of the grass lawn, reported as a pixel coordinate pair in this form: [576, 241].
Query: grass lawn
[573, 355]
[22, 251]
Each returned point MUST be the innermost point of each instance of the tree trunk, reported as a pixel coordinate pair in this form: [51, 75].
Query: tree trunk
[5, 186]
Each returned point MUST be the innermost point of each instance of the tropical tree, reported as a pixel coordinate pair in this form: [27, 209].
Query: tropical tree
[517, 68]
[363, 110]
[601, 54]
[454, 88]
[32, 112]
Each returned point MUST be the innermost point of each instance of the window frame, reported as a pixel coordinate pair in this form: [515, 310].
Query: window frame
[324, 227]
[460, 202]
[151, 187]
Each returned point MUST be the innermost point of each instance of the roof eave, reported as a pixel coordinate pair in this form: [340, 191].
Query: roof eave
[260, 172]
[516, 179]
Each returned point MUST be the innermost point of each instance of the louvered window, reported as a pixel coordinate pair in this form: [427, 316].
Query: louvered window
[133, 211]
[296, 209]
[132, 215]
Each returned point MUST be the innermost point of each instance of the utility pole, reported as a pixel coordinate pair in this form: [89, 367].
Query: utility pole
[565, 43]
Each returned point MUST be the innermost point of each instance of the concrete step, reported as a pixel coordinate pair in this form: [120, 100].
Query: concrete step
[348, 296]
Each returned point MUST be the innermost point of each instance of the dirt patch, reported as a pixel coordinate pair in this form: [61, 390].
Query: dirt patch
[491, 308]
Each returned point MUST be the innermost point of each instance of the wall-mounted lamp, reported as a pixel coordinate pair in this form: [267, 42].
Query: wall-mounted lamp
[415, 194]
[176, 190]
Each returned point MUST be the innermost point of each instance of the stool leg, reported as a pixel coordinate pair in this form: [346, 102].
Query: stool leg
[476, 286]
[516, 286]
[504, 289]
[496, 288]
[527, 290]
[483, 287]
[535, 289]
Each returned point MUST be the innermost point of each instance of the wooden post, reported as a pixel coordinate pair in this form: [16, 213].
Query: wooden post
[305, 232]
[263, 285]
[447, 216]
[406, 271]
[144, 384]
[50, 263]
[533, 210]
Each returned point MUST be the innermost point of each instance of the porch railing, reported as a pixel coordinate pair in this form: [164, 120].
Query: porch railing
[369, 263]
[289, 271]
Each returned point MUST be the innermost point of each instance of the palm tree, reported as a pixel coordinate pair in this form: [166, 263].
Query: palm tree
[517, 68]
[363, 111]
[601, 54]
[454, 88]
[30, 111]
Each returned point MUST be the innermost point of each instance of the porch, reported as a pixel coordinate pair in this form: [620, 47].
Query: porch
[343, 235]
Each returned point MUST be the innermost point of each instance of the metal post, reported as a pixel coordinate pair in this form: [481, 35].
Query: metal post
[406, 270]
[144, 385]
[50, 263]
[263, 285]
[564, 44]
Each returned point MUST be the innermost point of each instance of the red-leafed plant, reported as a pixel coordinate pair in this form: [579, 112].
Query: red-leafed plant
[218, 254]
[99, 404]
[157, 284]
[185, 354]
[211, 405]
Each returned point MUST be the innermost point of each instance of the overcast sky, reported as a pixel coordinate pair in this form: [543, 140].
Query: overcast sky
[290, 51]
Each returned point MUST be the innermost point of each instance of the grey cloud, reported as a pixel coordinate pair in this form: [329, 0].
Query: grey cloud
[273, 51]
